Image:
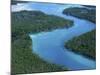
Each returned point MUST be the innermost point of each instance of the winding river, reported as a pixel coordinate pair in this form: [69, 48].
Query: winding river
[50, 45]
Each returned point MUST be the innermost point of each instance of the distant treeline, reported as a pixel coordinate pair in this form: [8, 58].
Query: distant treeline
[14, 2]
[90, 6]
[83, 13]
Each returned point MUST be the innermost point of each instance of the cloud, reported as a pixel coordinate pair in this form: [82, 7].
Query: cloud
[19, 7]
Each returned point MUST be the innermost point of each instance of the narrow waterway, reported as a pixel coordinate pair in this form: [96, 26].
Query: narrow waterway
[50, 45]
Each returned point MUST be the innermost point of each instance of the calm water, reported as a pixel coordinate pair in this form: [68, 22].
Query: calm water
[50, 45]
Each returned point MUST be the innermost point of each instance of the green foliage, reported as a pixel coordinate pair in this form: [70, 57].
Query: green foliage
[84, 44]
[24, 23]
[24, 61]
[83, 13]
[14, 2]
[89, 6]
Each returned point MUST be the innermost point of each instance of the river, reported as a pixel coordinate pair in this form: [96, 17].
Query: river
[50, 45]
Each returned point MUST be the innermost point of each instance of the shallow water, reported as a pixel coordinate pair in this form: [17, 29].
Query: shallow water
[50, 45]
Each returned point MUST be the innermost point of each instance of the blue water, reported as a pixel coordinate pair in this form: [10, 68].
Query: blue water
[50, 45]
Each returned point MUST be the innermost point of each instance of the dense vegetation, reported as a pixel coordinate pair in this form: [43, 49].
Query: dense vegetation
[24, 23]
[83, 13]
[14, 2]
[84, 44]
[34, 21]
[89, 6]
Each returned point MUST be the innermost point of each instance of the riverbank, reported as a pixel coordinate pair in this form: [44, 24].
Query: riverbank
[24, 61]
[24, 23]
[84, 44]
[82, 13]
